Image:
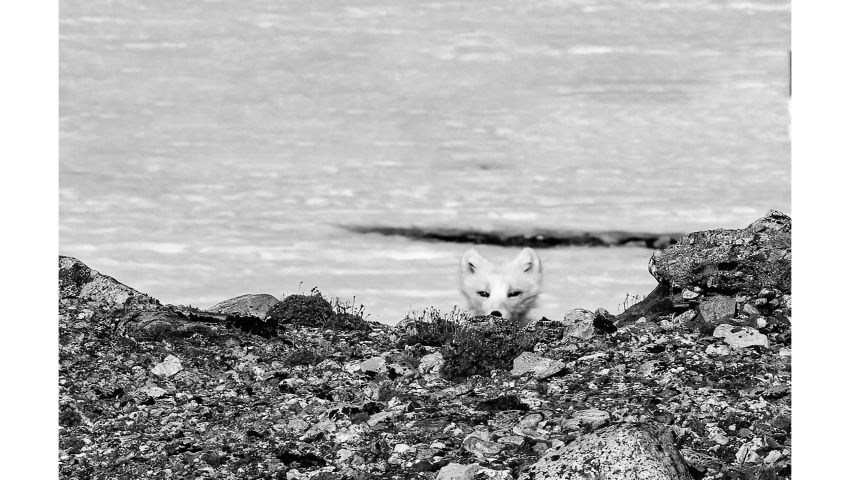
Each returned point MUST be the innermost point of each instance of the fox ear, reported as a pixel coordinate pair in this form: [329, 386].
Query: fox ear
[471, 261]
[529, 261]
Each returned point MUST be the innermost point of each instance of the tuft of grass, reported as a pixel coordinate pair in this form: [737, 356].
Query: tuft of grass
[430, 328]
[470, 345]
[314, 310]
[477, 350]
[629, 302]
[304, 356]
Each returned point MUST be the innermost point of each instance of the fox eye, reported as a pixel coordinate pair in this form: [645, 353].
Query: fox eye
[515, 294]
[484, 294]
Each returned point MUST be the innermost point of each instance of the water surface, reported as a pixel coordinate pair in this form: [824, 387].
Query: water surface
[209, 149]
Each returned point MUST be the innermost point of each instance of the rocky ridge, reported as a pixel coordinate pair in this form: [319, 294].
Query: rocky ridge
[691, 382]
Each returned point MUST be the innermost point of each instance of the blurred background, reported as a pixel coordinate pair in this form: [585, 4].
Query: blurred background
[214, 148]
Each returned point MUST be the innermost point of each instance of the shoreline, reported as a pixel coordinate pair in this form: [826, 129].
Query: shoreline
[542, 238]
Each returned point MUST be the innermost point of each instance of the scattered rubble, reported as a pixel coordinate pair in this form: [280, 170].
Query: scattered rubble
[681, 386]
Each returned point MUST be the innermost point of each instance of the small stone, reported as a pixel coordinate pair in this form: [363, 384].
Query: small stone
[740, 337]
[531, 420]
[153, 392]
[401, 448]
[579, 324]
[772, 457]
[747, 454]
[591, 357]
[540, 448]
[431, 363]
[717, 307]
[374, 365]
[167, 367]
[512, 440]
[482, 448]
[718, 350]
[400, 370]
[749, 309]
[380, 417]
[532, 433]
[298, 425]
[720, 439]
[456, 471]
[541, 366]
[689, 295]
[784, 352]
[685, 316]
[343, 454]
[494, 474]
[590, 419]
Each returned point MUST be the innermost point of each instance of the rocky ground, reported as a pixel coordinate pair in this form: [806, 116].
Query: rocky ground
[691, 382]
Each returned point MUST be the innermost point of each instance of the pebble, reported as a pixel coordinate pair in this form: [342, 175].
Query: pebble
[431, 363]
[689, 295]
[772, 457]
[153, 392]
[401, 448]
[482, 448]
[374, 365]
[718, 350]
[740, 337]
[531, 420]
[456, 471]
[591, 418]
[167, 367]
[541, 366]
[592, 356]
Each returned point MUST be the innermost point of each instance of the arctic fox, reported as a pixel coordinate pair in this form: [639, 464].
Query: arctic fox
[508, 290]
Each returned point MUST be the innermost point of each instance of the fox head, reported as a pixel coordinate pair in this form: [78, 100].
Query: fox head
[508, 290]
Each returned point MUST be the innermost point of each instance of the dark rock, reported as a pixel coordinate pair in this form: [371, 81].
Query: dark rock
[250, 305]
[617, 452]
[300, 460]
[266, 328]
[604, 321]
[506, 402]
[730, 261]
[77, 280]
[160, 324]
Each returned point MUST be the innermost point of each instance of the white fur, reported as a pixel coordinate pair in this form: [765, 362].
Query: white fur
[523, 274]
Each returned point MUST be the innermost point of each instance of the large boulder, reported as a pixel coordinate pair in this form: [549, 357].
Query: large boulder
[626, 451]
[77, 280]
[250, 305]
[729, 261]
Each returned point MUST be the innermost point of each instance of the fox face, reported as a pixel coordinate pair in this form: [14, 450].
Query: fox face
[508, 290]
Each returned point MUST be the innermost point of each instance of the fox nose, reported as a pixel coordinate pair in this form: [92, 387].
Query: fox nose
[496, 313]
